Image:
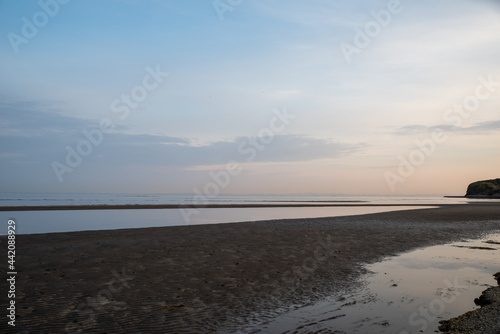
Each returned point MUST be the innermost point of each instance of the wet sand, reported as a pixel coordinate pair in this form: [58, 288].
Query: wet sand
[485, 320]
[213, 278]
[313, 204]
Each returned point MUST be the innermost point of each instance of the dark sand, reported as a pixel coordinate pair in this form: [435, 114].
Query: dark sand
[212, 278]
[314, 204]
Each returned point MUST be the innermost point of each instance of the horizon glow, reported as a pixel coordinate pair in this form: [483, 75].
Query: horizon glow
[315, 97]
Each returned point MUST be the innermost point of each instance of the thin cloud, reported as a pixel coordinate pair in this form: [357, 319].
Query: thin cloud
[44, 136]
[480, 128]
[152, 150]
[489, 126]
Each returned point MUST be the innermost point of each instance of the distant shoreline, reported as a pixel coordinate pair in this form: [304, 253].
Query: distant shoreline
[207, 206]
[474, 196]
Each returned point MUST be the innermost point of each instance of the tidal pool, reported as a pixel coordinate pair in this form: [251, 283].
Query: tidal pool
[409, 293]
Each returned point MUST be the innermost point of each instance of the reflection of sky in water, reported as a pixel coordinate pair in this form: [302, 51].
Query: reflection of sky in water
[404, 294]
[23, 199]
[74, 220]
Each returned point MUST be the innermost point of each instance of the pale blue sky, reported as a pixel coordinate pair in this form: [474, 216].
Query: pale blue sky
[353, 120]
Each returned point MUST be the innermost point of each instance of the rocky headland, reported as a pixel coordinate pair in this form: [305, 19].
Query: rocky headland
[484, 189]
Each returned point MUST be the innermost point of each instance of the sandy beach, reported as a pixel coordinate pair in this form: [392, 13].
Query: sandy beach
[213, 278]
[207, 206]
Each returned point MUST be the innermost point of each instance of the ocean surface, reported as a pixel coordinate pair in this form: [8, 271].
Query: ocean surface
[28, 222]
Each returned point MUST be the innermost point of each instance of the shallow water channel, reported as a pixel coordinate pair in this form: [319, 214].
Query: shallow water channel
[409, 293]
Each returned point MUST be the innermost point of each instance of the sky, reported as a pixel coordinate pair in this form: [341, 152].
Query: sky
[249, 96]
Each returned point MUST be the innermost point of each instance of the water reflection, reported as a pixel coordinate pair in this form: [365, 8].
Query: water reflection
[29, 222]
[409, 293]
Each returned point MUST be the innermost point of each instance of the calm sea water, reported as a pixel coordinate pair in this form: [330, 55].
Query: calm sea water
[29, 222]
[23, 199]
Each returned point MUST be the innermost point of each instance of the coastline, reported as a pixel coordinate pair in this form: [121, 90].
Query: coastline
[206, 206]
[216, 277]
[485, 320]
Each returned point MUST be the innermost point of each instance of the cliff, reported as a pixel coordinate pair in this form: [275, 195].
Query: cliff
[486, 188]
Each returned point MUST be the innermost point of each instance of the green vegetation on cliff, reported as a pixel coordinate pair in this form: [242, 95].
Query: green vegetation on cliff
[484, 188]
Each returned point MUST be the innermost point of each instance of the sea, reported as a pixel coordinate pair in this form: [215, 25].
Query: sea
[49, 221]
